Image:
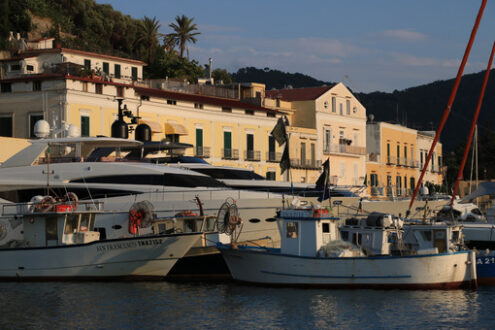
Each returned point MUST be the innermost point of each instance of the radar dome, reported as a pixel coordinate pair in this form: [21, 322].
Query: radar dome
[73, 131]
[42, 129]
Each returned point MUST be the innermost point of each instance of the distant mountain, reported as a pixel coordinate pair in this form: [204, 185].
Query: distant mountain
[419, 107]
[275, 79]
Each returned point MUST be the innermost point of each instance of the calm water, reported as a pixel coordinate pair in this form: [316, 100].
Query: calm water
[229, 305]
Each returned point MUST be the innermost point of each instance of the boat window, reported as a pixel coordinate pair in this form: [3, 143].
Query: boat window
[51, 228]
[476, 211]
[344, 235]
[455, 235]
[439, 234]
[167, 179]
[291, 229]
[326, 227]
[222, 173]
[426, 234]
[357, 239]
[71, 223]
[86, 222]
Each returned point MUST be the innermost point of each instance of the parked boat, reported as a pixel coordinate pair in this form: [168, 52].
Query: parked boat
[63, 244]
[312, 254]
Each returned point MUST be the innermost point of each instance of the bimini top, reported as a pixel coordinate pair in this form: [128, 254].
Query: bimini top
[83, 147]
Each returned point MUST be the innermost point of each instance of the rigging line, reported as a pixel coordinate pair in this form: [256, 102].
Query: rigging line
[450, 101]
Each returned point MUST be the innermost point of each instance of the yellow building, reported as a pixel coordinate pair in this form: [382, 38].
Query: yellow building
[393, 152]
[339, 121]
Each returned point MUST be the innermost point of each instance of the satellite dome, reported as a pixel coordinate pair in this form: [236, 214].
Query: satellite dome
[42, 129]
[73, 131]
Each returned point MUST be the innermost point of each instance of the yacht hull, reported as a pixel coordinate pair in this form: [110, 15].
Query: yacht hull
[439, 271]
[145, 257]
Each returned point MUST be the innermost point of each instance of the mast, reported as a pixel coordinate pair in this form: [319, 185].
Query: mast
[473, 126]
[450, 101]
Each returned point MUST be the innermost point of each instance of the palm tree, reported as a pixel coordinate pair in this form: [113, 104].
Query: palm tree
[148, 35]
[184, 32]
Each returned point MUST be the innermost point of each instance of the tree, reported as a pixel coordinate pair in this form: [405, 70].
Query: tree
[184, 32]
[223, 75]
[148, 35]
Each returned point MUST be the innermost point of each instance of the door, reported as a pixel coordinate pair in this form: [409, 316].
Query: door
[249, 146]
[439, 240]
[199, 141]
[271, 148]
[227, 144]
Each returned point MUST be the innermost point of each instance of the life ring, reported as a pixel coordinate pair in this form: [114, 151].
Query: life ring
[45, 204]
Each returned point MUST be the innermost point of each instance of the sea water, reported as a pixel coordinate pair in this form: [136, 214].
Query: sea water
[164, 305]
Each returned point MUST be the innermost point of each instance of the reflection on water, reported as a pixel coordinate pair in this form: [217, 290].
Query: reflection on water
[228, 305]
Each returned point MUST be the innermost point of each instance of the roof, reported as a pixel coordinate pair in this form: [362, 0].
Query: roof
[38, 52]
[224, 102]
[298, 94]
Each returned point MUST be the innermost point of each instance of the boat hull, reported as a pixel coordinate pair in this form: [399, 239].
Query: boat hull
[439, 271]
[485, 267]
[149, 257]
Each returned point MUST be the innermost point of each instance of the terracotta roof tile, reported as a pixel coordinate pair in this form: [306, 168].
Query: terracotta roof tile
[298, 94]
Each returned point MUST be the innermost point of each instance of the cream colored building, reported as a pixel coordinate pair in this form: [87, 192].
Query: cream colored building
[339, 121]
[48, 84]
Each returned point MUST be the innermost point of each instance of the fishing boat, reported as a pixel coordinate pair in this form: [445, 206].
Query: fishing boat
[313, 253]
[62, 243]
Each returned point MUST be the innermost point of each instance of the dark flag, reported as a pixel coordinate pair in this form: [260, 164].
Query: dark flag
[279, 132]
[285, 161]
[323, 182]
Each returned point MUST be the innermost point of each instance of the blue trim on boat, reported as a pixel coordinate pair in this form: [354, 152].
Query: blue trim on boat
[340, 277]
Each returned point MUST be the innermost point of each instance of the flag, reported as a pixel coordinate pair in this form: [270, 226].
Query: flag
[285, 161]
[323, 182]
[279, 132]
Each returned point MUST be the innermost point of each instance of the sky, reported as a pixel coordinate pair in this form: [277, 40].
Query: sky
[369, 45]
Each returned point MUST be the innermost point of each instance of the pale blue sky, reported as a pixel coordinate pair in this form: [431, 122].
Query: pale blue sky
[369, 45]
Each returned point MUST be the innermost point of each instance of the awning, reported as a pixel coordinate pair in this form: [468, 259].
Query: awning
[174, 128]
[155, 127]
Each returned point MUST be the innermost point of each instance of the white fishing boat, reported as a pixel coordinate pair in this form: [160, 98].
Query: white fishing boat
[63, 244]
[312, 254]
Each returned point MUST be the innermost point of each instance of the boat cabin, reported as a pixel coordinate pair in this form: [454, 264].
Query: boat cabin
[377, 234]
[433, 238]
[304, 232]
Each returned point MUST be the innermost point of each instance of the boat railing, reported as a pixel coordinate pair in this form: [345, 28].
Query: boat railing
[31, 208]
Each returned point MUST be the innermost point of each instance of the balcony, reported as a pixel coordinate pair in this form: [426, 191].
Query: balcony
[273, 157]
[311, 164]
[202, 152]
[252, 155]
[232, 154]
[343, 149]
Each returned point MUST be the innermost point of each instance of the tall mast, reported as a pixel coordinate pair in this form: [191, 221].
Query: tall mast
[450, 101]
[473, 126]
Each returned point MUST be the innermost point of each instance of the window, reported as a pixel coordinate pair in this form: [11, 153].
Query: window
[6, 88]
[36, 86]
[227, 144]
[313, 154]
[33, 118]
[134, 73]
[374, 179]
[29, 67]
[199, 142]
[117, 71]
[328, 139]
[348, 107]
[292, 230]
[249, 112]
[388, 153]
[85, 86]
[226, 109]
[98, 88]
[6, 125]
[87, 64]
[405, 153]
[198, 105]
[84, 125]
[271, 148]
[271, 175]
[303, 153]
[106, 68]
[15, 67]
[249, 146]
[120, 91]
[341, 108]
[334, 104]
[172, 102]
[325, 104]
[325, 227]
[344, 235]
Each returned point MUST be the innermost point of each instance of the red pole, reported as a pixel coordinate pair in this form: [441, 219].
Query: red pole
[451, 100]
[473, 125]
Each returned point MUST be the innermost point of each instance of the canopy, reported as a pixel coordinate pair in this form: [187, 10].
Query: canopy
[174, 128]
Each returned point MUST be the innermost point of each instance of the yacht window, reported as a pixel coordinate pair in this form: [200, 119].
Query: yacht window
[167, 179]
[326, 227]
[291, 229]
[426, 234]
[344, 235]
[71, 224]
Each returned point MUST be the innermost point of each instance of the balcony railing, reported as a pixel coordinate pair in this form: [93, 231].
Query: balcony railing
[273, 156]
[202, 152]
[305, 163]
[344, 149]
[252, 155]
[230, 154]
